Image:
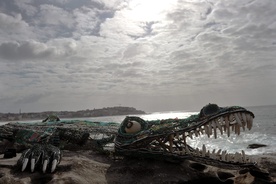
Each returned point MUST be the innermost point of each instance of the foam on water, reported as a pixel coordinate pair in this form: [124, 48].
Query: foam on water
[236, 143]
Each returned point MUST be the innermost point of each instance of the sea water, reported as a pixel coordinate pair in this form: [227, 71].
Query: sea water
[262, 132]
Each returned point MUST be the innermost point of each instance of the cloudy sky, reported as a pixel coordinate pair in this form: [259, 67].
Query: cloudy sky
[149, 54]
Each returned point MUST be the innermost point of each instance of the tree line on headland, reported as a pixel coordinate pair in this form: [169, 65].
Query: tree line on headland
[107, 111]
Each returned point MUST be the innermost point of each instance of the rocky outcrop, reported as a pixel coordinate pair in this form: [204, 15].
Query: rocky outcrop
[89, 167]
[254, 146]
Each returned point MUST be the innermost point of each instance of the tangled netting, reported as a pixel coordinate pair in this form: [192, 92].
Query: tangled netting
[74, 131]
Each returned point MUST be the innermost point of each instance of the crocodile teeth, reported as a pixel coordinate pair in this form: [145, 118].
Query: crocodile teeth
[171, 142]
[197, 151]
[183, 151]
[191, 135]
[249, 121]
[203, 150]
[233, 128]
[218, 152]
[196, 133]
[187, 150]
[231, 117]
[216, 155]
[214, 125]
[213, 154]
[45, 163]
[207, 130]
[210, 129]
[176, 143]
[223, 156]
[237, 129]
[201, 129]
[243, 156]
[244, 120]
[227, 125]
[208, 153]
[25, 163]
[238, 119]
[184, 138]
[54, 165]
[237, 157]
[177, 135]
[32, 164]
[227, 157]
[234, 121]
[219, 127]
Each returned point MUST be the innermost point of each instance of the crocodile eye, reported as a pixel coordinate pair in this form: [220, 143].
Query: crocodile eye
[210, 109]
[132, 127]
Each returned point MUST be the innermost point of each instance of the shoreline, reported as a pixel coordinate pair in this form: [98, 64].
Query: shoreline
[106, 111]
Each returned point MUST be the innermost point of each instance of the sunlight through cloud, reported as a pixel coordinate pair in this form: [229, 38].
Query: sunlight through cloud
[149, 10]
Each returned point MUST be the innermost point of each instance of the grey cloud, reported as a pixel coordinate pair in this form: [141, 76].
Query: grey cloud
[52, 15]
[93, 51]
[126, 65]
[148, 28]
[24, 50]
[105, 86]
[89, 20]
[59, 49]
[135, 50]
[13, 25]
[33, 98]
[180, 55]
[26, 7]
[72, 4]
[190, 14]
[51, 20]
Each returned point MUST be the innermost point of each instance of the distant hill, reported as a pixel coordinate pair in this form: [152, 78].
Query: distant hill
[107, 111]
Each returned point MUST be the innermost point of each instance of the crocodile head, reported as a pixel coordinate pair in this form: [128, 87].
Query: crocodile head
[167, 138]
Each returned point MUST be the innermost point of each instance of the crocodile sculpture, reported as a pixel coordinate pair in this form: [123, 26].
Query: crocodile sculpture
[163, 139]
[167, 138]
[41, 142]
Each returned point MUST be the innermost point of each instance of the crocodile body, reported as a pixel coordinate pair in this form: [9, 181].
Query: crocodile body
[42, 141]
[66, 134]
[163, 139]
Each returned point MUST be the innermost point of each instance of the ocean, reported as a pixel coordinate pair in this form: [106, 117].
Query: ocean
[262, 132]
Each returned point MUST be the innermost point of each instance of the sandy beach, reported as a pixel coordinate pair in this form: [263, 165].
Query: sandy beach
[89, 167]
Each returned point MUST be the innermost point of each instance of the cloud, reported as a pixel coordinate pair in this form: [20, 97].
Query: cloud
[52, 15]
[26, 7]
[25, 50]
[13, 27]
[171, 54]
[9, 23]
[88, 20]
[29, 99]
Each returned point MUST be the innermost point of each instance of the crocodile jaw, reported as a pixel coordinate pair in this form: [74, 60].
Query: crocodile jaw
[175, 144]
[224, 124]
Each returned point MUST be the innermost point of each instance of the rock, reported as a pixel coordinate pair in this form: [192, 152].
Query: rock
[254, 146]
[90, 167]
